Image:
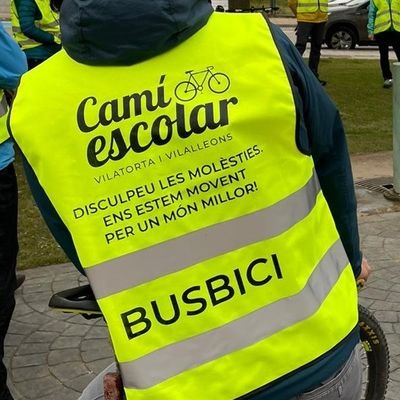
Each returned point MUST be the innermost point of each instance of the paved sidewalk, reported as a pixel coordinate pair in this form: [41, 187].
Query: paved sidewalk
[52, 356]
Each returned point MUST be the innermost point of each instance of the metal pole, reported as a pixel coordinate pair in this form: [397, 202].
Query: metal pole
[396, 127]
[394, 193]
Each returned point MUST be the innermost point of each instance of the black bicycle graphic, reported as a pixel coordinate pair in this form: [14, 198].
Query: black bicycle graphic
[217, 82]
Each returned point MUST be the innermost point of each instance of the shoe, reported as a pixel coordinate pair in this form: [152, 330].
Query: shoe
[387, 83]
[20, 280]
[323, 83]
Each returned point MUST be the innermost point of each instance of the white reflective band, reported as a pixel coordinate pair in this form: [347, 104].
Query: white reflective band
[379, 14]
[171, 360]
[174, 255]
[381, 24]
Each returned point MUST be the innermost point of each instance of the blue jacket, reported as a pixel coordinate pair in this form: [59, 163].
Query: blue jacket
[128, 31]
[12, 66]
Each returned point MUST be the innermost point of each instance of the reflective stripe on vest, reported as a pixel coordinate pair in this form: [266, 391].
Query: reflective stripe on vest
[166, 258]
[308, 6]
[48, 23]
[387, 15]
[201, 227]
[146, 372]
[3, 117]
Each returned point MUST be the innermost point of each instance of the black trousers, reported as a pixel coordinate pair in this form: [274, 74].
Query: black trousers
[384, 40]
[8, 256]
[315, 31]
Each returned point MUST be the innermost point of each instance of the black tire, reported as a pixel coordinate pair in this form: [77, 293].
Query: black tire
[341, 38]
[376, 360]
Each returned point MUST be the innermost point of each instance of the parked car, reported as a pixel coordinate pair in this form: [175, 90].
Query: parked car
[347, 24]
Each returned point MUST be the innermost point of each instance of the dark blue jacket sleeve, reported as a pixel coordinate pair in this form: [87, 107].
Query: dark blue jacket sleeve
[320, 133]
[13, 61]
[51, 217]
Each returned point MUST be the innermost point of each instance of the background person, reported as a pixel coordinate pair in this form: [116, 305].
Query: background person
[12, 65]
[384, 27]
[36, 28]
[311, 20]
[167, 288]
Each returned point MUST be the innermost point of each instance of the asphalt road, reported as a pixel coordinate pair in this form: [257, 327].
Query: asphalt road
[360, 52]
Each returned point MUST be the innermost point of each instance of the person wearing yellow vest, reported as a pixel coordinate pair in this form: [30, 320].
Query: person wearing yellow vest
[12, 65]
[201, 198]
[384, 27]
[311, 18]
[36, 28]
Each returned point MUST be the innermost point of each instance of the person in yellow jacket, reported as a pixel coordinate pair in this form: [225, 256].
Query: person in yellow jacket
[36, 29]
[311, 18]
[210, 205]
[384, 27]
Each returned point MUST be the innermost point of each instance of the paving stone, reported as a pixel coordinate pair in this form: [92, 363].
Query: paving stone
[29, 360]
[387, 316]
[75, 330]
[13, 339]
[94, 344]
[43, 287]
[97, 332]
[97, 354]
[22, 310]
[39, 307]
[33, 348]
[385, 305]
[69, 370]
[376, 294]
[56, 357]
[99, 365]
[42, 337]
[56, 326]
[78, 319]
[66, 342]
[29, 373]
[63, 394]
[80, 382]
[70, 276]
[39, 297]
[35, 317]
[37, 388]
[381, 284]
[63, 285]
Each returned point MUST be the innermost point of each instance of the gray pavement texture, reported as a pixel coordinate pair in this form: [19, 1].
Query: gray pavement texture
[53, 356]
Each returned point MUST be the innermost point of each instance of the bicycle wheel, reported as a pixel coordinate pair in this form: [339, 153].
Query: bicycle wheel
[219, 82]
[375, 356]
[185, 91]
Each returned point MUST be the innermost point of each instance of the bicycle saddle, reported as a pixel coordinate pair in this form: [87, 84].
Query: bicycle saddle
[78, 300]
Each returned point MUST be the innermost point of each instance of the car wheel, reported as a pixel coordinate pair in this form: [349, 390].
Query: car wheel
[341, 38]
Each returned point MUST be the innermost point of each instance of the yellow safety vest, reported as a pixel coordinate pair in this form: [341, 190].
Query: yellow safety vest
[3, 117]
[387, 15]
[311, 6]
[48, 23]
[201, 227]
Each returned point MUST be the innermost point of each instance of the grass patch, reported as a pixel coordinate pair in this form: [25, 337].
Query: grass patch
[354, 85]
[366, 108]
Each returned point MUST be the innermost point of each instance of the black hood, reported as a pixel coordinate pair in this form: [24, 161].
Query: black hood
[124, 32]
